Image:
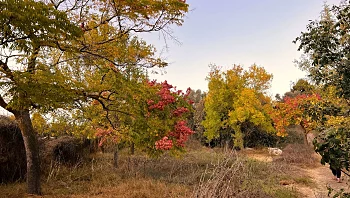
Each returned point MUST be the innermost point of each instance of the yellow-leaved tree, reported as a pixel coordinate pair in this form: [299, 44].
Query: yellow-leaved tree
[235, 97]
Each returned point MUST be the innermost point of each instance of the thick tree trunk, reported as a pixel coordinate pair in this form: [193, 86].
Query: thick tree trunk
[32, 151]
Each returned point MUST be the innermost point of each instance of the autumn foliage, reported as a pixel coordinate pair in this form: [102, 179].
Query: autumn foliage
[156, 119]
[304, 110]
[168, 102]
[236, 96]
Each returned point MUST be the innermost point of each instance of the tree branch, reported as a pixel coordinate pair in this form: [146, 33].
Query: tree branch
[6, 70]
[32, 60]
[4, 105]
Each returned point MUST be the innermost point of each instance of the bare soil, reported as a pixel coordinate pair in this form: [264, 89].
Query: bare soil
[321, 177]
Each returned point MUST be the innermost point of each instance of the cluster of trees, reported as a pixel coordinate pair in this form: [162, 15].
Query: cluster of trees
[326, 59]
[83, 66]
[319, 104]
[66, 54]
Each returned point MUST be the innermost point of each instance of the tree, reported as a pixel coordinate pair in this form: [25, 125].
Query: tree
[59, 54]
[156, 119]
[194, 120]
[311, 111]
[236, 97]
[333, 142]
[326, 59]
[303, 110]
[303, 87]
[326, 48]
[198, 115]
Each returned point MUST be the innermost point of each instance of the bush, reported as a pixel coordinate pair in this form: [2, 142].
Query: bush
[65, 150]
[300, 154]
[240, 177]
[12, 152]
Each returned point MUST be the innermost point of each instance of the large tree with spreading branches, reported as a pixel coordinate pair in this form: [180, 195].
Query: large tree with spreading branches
[57, 54]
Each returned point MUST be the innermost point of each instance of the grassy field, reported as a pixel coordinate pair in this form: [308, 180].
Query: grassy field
[201, 172]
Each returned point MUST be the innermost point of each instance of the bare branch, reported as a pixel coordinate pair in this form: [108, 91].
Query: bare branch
[104, 106]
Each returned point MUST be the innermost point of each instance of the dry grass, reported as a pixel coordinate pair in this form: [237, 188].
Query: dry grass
[201, 172]
[299, 154]
[237, 176]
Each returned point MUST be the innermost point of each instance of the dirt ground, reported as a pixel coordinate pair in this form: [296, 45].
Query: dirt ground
[323, 178]
[320, 175]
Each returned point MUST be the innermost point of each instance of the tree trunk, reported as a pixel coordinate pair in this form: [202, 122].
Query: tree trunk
[115, 157]
[305, 135]
[32, 151]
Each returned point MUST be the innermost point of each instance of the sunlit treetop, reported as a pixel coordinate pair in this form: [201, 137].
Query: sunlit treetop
[236, 96]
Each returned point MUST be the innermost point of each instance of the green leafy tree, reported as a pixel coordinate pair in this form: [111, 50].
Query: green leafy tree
[236, 97]
[326, 59]
[59, 54]
[326, 48]
[303, 87]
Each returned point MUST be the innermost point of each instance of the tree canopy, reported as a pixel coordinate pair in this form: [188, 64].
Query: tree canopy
[62, 54]
[236, 96]
[326, 48]
[326, 59]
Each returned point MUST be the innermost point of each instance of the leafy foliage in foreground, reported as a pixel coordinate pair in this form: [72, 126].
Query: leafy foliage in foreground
[326, 48]
[326, 59]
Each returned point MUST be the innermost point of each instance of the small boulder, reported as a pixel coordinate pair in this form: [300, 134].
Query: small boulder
[275, 151]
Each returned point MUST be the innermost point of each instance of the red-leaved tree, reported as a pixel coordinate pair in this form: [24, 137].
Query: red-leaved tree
[304, 110]
[156, 118]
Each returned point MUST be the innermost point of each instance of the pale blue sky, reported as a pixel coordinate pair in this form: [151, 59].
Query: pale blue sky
[227, 32]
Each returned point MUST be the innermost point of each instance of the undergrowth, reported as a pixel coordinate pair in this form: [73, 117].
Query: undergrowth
[299, 154]
[201, 172]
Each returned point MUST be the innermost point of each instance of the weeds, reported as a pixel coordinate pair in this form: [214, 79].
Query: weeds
[199, 173]
[236, 176]
[299, 154]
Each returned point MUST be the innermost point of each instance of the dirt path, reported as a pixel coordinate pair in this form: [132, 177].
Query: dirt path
[320, 175]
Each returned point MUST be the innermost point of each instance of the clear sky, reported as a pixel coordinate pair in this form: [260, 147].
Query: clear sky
[227, 32]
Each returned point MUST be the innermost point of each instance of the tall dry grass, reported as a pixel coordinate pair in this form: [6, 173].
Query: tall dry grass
[238, 176]
[299, 154]
[201, 172]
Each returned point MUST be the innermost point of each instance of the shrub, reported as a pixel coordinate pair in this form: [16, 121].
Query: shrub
[240, 177]
[12, 152]
[65, 150]
[300, 154]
